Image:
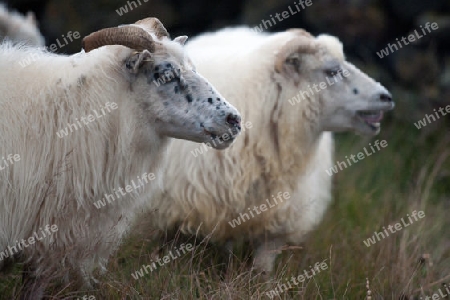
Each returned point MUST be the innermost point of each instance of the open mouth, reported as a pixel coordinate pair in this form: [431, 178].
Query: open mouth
[371, 117]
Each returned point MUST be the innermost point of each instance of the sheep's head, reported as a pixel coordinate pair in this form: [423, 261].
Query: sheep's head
[338, 95]
[171, 97]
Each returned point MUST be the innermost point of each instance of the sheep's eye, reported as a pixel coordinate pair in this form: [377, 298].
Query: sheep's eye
[167, 73]
[173, 76]
[333, 72]
[293, 61]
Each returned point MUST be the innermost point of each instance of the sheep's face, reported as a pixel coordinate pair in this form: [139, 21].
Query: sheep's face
[179, 102]
[340, 97]
[354, 102]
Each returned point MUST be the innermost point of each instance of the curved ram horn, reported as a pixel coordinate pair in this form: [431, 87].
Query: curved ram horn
[154, 25]
[130, 36]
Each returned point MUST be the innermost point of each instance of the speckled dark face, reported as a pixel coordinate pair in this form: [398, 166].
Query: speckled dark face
[186, 105]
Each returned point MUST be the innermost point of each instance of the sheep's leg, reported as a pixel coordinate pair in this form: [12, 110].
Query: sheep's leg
[33, 287]
[229, 247]
[265, 254]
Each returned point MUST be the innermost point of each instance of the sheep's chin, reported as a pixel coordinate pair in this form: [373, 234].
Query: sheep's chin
[363, 127]
[222, 146]
[218, 143]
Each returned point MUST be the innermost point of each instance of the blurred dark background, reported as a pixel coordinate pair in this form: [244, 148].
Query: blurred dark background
[418, 74]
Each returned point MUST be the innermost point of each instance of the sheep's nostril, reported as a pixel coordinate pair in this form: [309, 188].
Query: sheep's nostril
[385, 97]
[234, 120]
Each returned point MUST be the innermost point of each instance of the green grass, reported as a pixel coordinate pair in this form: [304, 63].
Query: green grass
[412, 173]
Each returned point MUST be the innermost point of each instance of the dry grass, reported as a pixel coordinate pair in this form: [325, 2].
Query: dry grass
[412, 173]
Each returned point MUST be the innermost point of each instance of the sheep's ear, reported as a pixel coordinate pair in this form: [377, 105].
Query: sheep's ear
[136, 60]
[181, 39]
[291, 55]
[31, 18]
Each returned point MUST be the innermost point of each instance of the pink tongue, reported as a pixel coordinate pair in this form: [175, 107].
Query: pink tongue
[374, 119]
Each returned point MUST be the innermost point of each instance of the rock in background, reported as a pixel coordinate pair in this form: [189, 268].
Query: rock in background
[418, 74]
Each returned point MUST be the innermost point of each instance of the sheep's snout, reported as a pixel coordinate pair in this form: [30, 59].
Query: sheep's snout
[385, 97]
[234, 120]
[223, 136]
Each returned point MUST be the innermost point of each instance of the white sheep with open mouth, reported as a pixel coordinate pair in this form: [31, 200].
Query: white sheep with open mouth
[293, 88]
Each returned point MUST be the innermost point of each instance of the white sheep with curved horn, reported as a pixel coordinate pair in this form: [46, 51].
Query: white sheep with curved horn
[271, 186]
[92, 127]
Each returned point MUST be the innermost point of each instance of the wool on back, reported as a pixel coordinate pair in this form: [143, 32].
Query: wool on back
[58, 178]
